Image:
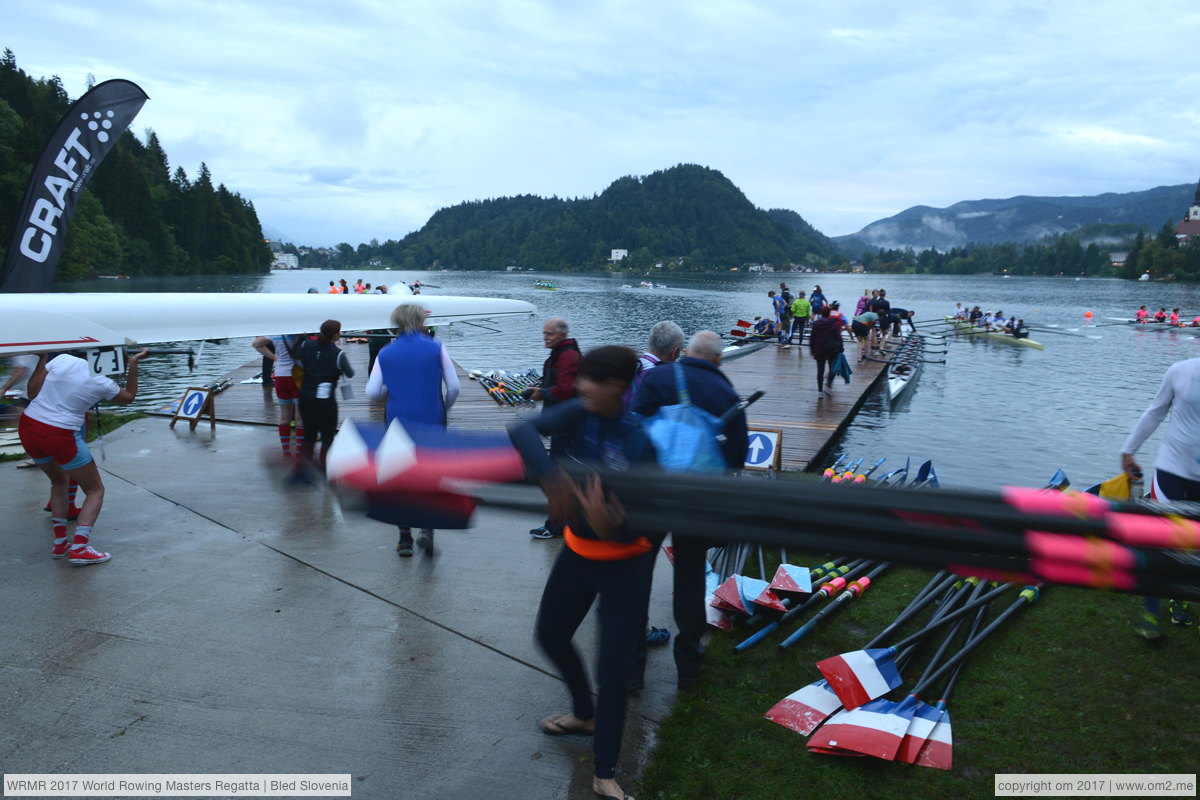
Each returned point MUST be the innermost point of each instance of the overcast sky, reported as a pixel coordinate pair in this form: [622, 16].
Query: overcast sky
[354, 119]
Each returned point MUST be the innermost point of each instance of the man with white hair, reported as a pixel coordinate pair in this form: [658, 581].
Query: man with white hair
[709, 389]
[663, 347]
[558, 384]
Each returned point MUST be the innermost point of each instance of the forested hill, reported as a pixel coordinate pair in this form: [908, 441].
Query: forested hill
[136, 216]
[688, 216]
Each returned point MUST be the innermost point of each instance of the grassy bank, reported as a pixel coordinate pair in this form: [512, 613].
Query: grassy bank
[1065, 687]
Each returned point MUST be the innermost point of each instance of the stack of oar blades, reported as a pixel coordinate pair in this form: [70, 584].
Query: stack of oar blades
[980, 532]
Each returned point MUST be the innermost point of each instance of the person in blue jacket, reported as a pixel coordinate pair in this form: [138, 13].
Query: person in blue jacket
[409, 374]
[712, 391]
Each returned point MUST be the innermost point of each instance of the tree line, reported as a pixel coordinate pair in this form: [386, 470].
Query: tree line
[136, 216]
[686, 217]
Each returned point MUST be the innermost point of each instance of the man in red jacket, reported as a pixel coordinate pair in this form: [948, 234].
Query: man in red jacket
[558, 384]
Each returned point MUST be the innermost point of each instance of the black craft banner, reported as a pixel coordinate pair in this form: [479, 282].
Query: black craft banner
[86, 134]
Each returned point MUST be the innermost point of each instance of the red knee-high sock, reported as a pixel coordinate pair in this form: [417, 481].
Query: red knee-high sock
[285, 437]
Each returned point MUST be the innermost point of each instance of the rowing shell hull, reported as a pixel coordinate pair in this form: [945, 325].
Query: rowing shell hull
[995, 337]
[898, 380]
[34, 323]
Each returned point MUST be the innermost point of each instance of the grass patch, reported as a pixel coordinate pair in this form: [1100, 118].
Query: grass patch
[1065, 686]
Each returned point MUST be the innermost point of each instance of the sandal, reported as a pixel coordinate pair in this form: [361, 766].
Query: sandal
[552, 726]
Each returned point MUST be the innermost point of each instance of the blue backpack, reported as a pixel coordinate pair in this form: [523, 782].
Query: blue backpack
[684, 435]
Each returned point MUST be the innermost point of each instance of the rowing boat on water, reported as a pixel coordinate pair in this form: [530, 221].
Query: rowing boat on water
[974, 331]
[905, 365]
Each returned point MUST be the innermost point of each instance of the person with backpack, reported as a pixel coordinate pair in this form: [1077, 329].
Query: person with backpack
[663, 347]
[709, 389]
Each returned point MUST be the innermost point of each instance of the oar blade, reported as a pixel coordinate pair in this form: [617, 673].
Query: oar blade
[860, 676]
[791, 579]
[805, 709]
[874, 729]
[938, 751]
[770, 600]
[924, 718]
[737, 594]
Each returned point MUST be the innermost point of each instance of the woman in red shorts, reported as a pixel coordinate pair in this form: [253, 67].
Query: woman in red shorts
[61, 392]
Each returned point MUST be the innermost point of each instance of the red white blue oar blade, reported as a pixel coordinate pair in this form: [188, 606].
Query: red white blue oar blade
[768, 599]
[938, 751]
[874, 729]
[861, 676]
[737, 594]
[792, 579]
[924, 718]
[418, 458]
[805, 709]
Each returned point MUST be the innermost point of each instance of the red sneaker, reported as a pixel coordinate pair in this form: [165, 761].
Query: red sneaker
[82, 556]
[61, 547]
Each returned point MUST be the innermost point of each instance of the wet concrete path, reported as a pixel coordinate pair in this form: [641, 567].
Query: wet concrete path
[244, 628]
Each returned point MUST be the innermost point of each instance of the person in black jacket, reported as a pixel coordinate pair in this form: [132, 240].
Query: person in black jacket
[712, 391]
[324, 363]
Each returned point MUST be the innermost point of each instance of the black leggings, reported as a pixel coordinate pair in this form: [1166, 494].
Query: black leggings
[320, 419]
[572, 587]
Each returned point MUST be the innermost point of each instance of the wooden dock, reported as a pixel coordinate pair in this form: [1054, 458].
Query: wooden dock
[810, 424]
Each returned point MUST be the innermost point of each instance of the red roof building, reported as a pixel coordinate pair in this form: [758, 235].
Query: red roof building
[1190, 226]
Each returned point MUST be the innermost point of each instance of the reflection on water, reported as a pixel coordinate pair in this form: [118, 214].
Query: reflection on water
[993, 414]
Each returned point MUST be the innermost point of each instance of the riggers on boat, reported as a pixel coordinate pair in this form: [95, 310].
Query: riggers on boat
[905, 365]
[976, 331]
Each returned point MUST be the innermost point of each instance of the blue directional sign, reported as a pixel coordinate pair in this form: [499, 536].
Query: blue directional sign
[762, 451]
[193, 403]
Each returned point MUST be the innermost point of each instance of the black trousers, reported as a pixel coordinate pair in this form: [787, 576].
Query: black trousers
[572, 587]
[320, 418]
[688, 605]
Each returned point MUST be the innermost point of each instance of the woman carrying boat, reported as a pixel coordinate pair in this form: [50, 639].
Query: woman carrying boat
[409, 374]
[825, 344]
[601, 559]
[324, 363]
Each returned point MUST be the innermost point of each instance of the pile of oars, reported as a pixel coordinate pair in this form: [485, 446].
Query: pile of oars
[507, 388]
[848, 704]
[1021, 535]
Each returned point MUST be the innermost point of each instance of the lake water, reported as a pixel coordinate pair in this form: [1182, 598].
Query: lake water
[993, 414]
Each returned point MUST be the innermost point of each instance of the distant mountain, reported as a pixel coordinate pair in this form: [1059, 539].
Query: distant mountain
[690, 216]
[1103, 219]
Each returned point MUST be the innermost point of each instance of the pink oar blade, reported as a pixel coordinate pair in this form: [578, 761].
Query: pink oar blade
[792, 579]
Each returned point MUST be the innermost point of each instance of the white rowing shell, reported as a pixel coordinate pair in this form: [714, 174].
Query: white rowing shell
[32, 323]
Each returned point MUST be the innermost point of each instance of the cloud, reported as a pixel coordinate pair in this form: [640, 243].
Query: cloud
[359, 119]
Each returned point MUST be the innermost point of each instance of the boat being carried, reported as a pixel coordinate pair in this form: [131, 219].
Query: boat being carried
[974, 331]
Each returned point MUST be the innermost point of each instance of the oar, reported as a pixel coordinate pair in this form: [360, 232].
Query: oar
[853, 590]
[927, 741]
[860, 676]
[831, 587]
[848, 475]
[876, 728]
[1064, 333]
